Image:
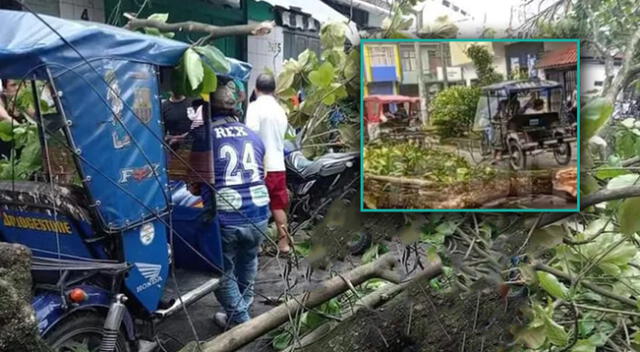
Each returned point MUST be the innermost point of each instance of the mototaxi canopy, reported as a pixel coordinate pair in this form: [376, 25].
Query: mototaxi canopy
[107, 80]
[29, 44]
[374, 103]
[494, 93]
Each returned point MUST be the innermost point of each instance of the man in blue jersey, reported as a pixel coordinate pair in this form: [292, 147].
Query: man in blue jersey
[242, 203]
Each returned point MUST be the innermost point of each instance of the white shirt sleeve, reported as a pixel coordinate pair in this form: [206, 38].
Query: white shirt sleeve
[253, 117]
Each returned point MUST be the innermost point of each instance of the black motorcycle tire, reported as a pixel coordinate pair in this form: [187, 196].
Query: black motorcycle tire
[361, 242]
[87, 323]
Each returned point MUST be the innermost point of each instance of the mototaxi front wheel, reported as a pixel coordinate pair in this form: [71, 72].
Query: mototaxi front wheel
[562, 153]
[82, 331]
[517, 156]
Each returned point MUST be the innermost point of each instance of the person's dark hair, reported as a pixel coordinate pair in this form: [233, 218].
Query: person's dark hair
[265, 83]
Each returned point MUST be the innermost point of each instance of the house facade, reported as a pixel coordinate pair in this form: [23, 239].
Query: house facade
[560, 65]
[382, 71]
[436, 56]
[297, 27]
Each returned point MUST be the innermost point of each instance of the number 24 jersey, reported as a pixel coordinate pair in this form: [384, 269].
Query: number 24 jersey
[239, 174]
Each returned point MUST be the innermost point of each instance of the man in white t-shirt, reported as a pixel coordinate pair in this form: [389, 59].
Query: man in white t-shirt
[268, 119]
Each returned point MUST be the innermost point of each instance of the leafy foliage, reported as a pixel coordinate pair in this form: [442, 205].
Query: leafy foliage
[441, 28]
[198, 67]
[25, 158]
[329, 86]
[430, 164]
[454, 110]
[483, 63]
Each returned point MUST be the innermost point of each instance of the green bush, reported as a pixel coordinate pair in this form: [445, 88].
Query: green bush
[454, 109]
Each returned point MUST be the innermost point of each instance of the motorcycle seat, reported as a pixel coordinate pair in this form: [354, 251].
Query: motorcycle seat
[324, 165]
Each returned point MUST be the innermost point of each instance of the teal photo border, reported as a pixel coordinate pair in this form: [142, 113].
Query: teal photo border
[534, 210]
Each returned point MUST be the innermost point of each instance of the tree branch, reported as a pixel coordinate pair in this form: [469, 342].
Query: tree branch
[595, 288]
[593, 199]
[628, 69]
[212, 31]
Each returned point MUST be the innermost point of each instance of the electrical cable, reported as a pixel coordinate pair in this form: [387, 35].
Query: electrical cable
[152, 133]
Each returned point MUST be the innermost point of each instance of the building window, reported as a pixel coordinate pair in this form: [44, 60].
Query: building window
[598, 83]
[446, 3]
[382, 55]
[408, 58]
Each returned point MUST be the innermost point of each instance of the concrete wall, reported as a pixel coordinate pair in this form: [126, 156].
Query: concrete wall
[69, 9]
[263, 51]
[592, 72]
[47, 7]
[73, 9]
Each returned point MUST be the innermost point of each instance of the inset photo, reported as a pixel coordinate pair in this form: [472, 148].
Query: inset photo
[470, 125]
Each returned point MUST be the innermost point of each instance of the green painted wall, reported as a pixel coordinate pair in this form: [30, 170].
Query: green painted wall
[260, 11]
[194, 10]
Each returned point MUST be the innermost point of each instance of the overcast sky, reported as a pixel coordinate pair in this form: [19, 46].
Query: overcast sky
[497, 12]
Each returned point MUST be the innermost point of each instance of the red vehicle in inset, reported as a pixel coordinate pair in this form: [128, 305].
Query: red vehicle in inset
[394, 111]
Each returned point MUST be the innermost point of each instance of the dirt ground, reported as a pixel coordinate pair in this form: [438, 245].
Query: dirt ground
[537, 162]
[269, 283]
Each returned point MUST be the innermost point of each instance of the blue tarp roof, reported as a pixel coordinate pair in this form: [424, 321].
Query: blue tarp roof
[27, 43]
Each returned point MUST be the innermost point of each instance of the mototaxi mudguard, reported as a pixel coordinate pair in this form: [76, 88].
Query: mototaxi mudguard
[50, 308]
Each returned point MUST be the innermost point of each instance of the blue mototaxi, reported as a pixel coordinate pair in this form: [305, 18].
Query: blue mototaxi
[104, 243]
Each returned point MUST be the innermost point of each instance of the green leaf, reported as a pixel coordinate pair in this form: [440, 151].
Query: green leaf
[555, 332]
[623, 181]
[533, 337]
[308, 59]
[210, 81]
[548, 237]
[352, 65]
[161, 17]
[371, 254]
[609, 172]
[584, 346]
[152, 31]
[332, 35]
[214, 58]
[193, 68]
[552, 285]
[284, 82]
[5, 131]
[593, 115]
[628, 122]
[323, 76]
[329, 99]
[628, 215]
[282, 341]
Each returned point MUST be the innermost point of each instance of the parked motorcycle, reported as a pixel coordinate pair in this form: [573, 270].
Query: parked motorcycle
[315, 184]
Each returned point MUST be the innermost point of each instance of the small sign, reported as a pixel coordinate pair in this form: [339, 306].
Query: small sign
[147, 233]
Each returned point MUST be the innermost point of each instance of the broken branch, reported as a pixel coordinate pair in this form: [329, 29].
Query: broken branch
[212, 31]
[260, 325]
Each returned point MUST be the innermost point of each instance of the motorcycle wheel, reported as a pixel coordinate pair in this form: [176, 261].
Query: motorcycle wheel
[360, 243]
[562, 153]
[82, 331]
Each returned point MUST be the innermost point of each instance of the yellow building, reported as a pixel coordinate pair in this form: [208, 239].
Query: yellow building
[382, 69]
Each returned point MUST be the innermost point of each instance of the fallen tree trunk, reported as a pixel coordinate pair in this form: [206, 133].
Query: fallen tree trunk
[243, 334]
[419, 319]
[385, 192]
[20, 328]
[370, 301]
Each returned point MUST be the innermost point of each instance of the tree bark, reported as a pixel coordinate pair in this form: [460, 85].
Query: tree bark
[20, 332]
[387, 192]
[245, 333]
[419, 319]
[212, 31]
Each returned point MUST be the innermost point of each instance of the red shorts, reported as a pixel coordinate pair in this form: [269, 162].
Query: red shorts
[276, 182]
